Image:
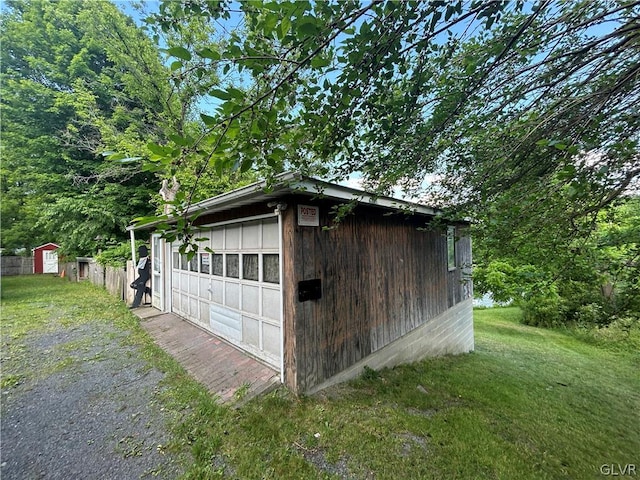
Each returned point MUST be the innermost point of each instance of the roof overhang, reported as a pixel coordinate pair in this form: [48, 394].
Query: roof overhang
[50, 244]
[293, 183]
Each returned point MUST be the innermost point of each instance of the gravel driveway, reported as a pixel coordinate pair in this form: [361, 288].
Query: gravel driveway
[87, 410]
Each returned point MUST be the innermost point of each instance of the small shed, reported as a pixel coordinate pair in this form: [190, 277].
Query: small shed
[316, 300]
[83, 268]
[45, 258]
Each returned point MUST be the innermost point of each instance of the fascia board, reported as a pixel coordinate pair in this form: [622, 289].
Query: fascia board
[339, 192]
[295, 183]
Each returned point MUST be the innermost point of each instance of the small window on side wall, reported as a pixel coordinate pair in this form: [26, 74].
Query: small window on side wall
[451, 248]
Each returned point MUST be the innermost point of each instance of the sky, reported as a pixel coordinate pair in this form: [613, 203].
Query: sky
[127, 6]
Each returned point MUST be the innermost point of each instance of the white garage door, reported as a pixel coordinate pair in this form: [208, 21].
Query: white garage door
[235, 291]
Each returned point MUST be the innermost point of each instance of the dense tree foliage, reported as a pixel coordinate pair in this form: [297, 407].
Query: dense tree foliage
[476, 97]
[69, 95]
[521, 115]
[592, 280]
[84, 91]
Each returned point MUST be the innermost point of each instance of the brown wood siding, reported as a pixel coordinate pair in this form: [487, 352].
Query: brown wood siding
[290, 326]
[381, 278]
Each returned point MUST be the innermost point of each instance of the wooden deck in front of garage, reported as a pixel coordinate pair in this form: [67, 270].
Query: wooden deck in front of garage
[227, 372]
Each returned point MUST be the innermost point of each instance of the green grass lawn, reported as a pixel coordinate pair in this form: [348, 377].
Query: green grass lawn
[528, 403]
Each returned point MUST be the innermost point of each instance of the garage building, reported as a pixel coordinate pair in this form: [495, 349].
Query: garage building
[316, 300]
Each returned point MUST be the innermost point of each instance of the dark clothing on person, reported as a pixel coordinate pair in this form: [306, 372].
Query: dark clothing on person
[144, 272]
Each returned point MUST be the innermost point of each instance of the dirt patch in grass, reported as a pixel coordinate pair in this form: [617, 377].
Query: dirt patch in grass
[318, 458]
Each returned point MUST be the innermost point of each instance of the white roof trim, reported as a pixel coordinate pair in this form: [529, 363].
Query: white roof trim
[45, 244]
[295, 183]
[341, 192]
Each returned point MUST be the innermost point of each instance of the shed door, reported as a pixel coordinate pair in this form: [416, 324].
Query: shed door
[235, 291]
[50, 261]
[157, 259]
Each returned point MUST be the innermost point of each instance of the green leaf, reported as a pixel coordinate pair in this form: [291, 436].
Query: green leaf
[278, 153]
[177, 65]
[449, 13]
[257, 128]
[130, 159]
[320, 61]
[283, 28]
[271, 20]
[573, 150]
[157, 149]
[434, 20]
[557, 144]
[572, 192]
[235, 93]
[116, 156]
[208, 120]
[308, 27]
[141, 221]
[567, 172]
[221, 94]
[153, 167]
[233, 130]
[220, 165]
[246, 165]
[208, 53]
[180, 52]
[365, 29]
[179, 140]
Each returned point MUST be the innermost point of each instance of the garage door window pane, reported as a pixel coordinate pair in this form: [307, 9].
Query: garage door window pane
[176, 260]
[205, 258]
[250, 266]
[184, 263]
[193, 264]
[271, 268]
[217, 264]
[233, 266]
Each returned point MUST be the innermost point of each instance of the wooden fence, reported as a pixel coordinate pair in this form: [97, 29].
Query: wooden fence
[16, 265]
[114, 279]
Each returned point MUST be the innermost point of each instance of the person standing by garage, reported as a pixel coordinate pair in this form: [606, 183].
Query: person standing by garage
[140, 283]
